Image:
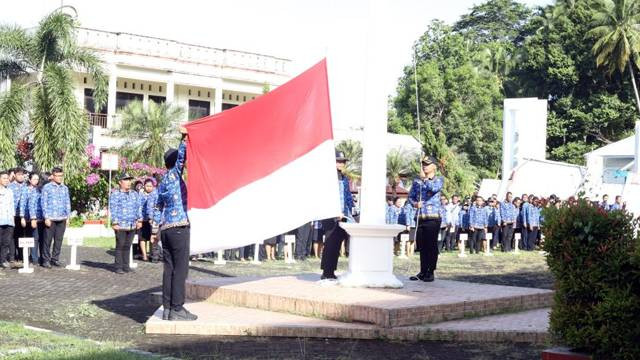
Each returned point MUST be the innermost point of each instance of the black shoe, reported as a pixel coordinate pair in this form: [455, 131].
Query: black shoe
[328, 276]
[119, 271]
[420, 276]
[165, 314]
[182, 315]
[46, 265]
[428, 278]
[129, 270]
[57, 263]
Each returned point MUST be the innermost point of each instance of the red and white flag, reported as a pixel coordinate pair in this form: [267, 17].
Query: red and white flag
[263, 168]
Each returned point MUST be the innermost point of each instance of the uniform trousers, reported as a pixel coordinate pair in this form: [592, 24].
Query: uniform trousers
[6, 239]
[533, 237]
[475, 240]
[124, 238]
[55, 234]
[495, 233]
[442, 238]
[303, 238]
[524, 239]
[334, 236]
[507, 237]
[427, 241]
[15, 252]
[175, 248]
[38, 242]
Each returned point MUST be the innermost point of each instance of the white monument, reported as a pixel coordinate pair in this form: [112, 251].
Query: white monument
[371, 242]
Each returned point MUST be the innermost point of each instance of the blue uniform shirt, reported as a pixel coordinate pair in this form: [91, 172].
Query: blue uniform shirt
[508, 212]
[126, 208]
[463, 218]
[35, 204]
[533, 216]
[393, 214]
[56, 204]
[25, 210]
[346, 199]
[427, 191]
[524, 213]
[7, 208]
[19, 195]
[478, 217]
[148, 204]
[615, 206]
[452, 214]
[171, 207]
[408, 215]
[493, 214]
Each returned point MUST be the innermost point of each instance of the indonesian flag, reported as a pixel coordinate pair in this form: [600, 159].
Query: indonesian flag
[263, 168]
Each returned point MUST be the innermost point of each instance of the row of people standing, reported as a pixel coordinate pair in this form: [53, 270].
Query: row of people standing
[39, 207]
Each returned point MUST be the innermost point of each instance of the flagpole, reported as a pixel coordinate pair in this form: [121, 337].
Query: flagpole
[415, 79]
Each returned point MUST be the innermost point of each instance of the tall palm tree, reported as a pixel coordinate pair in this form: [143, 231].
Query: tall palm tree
[398, 164]
[352, 151]
[41, 63]
[149, 133]
[616, 26]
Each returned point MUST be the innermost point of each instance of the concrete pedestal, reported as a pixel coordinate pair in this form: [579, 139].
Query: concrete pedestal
[371, 256]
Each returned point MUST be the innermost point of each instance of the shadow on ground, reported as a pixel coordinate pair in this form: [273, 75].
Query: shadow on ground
[137, 306]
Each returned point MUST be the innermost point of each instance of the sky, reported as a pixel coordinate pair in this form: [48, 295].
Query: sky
[304, 31]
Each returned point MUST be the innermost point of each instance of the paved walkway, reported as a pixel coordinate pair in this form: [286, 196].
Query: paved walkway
[99, 304]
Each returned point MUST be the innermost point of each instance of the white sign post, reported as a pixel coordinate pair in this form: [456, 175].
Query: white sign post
[517, 240]
[109, 162]
[256, 254]
[488, 239]
[463, 238]
[289, 240]
[74, 243]
[133, 264]
[404, 239]
[220, 260]
[25, 244]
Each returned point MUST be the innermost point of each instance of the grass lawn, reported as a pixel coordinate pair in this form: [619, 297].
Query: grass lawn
[100, 242]
[19, 342]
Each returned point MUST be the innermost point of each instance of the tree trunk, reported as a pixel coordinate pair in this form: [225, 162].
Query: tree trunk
[633, 82]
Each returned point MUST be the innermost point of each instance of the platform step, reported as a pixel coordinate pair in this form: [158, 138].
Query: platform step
[214, 319]
[416, 304]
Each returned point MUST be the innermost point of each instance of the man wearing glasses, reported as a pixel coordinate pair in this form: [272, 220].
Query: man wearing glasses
[56, 207]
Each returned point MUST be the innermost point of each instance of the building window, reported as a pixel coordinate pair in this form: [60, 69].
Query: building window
[157, 99]
[198, 109]
[159, 88]
[123, 99]
[245, 99]
[189, 91]
[85, 80]
[208, 94]
[89, 103]
[237, 97]
[149, 87]
[226, 106]
[125, 84]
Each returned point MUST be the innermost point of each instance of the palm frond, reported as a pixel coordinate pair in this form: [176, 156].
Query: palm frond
[45, 152]
[12, 107]
[91, 63]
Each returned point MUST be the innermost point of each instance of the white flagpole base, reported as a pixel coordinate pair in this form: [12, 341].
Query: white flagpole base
[219, 259]
[132, 264]
[25, 262]
[256, 254]
[72, 267]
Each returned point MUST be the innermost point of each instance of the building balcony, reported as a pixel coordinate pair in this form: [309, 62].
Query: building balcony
[97, 120]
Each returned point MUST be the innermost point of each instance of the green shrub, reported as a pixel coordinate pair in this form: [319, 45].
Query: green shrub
[76, 221]
[594, 256]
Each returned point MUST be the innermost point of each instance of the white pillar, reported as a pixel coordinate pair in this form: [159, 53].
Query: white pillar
[636, 168]
[111, 95]
[217, 101]
[171, 87]
[219, 258]
[145, 101]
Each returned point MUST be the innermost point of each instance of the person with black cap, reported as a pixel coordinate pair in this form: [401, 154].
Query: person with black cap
[425, 196]
[126, 219]
[334, 234]
[170, 219]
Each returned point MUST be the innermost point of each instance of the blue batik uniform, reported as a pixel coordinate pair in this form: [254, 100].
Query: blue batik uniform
[444, 216]
[56, 204]
[393, 214]
[463, 219]
[478, 218]
[171, 207]
[346, 199]
[148, 204]
[533, 216]
[453, 210]
[35, 204]
[427, 191]
[605, 206]
[26, 212]
[493, 214]
[524, 213]
[508, 212]
[126, 209]
[615, 206]
[19, 195]
[408, 215]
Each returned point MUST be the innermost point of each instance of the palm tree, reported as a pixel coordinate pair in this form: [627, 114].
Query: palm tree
[149, 133]
[617, 29]
[41, 64]
[397, 165]
[352, 151]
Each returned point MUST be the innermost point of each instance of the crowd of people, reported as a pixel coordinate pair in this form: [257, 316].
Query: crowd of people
[477, 218]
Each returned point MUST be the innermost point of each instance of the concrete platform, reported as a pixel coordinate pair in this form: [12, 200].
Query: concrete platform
[529, 326]
[417, 303]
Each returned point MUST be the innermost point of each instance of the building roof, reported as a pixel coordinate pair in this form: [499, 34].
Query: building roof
[624, 147]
